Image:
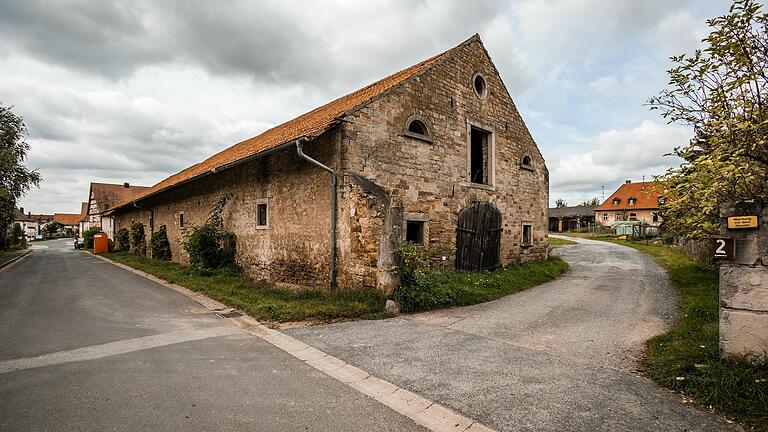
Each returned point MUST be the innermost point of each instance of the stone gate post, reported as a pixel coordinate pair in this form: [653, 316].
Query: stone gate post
[744, 279]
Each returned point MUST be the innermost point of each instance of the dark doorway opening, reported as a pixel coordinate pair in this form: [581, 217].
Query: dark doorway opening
[479, 155]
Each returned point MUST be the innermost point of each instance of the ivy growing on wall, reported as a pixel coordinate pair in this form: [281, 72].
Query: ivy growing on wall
[122, 240]
[209, 246]
[161, 247]
[137, 239]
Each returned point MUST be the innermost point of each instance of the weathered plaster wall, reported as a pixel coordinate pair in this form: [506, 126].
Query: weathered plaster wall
[294, 248]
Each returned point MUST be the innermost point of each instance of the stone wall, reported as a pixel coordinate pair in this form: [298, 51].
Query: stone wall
[431, 178]
[385, 178]
[293, 249]
[744, 285]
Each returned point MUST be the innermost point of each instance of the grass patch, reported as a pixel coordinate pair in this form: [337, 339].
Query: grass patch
[433, 289]
[687, 358]
[559, 242]
[261, 301]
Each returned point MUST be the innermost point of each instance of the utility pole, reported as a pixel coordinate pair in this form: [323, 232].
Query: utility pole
[603, 193]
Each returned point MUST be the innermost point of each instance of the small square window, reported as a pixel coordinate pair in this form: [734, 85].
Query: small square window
[262, 215]
[527, 234]
[414, 232]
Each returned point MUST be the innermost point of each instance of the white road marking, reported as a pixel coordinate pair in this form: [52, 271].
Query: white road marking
[429, 414]
[114, 348]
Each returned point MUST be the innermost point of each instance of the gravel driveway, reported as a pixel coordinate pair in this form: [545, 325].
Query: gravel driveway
[560, 356]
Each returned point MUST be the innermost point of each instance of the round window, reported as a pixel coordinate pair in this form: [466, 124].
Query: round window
[478, 82]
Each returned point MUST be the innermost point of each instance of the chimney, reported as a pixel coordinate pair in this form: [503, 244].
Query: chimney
[627, 182]
[126, 185]
[21, 210]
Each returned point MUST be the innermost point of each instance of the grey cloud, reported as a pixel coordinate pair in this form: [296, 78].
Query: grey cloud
[267, 41]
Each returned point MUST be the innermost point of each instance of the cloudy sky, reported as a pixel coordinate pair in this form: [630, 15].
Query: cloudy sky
[137, 90]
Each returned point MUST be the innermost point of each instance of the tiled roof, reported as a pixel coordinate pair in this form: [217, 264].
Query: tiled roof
[572, 211]
[311, 124]
[42, 217]
[646, 193]
[83, 211]
[67, 218]
[19, 216]
[108, 195]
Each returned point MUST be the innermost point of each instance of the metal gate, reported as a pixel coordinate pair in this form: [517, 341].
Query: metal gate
[478, 237]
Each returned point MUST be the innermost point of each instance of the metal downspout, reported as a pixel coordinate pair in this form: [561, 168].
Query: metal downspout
[300, 151]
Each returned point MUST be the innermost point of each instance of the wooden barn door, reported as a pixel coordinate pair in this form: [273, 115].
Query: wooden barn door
[478, 237]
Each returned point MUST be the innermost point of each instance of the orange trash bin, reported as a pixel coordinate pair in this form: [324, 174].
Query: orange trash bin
[100, 243]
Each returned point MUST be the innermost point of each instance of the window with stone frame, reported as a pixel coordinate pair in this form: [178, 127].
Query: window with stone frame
[480, 156]
[527, 235]
[262, 214]
[416, 127]
[181, 219]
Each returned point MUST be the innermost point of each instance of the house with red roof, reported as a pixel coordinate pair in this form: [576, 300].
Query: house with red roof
[632, 202]
[103, 197]
[436, 154]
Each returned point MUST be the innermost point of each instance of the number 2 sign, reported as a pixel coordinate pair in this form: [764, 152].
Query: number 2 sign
[723, 248]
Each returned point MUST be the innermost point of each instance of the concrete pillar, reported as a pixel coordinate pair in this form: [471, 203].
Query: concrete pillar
[559, 224]
[744, 284]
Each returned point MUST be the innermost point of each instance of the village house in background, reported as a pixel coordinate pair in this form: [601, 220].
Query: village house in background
[30, 226]
[436, 154]
[83, 224]
[574, 218]
[632, 202]
[103, 197]
[70, 223]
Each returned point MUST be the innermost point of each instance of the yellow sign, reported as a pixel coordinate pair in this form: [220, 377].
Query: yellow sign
[742, 222]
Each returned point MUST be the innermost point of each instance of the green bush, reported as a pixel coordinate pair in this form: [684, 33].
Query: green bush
[423, 287]
[209, 246]
[16, 237]
[137, 239]
[161, 248]
[122, 240]
[88, 236]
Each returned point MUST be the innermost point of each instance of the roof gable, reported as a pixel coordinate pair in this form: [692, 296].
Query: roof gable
[308, 125]
[108, 195]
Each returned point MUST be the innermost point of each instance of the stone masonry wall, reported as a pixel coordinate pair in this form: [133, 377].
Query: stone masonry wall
[744, 285]
[415, 177]
[294, 248]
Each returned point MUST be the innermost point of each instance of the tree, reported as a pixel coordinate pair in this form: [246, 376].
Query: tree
[560, 203]
[591, 202]
[52, 227]
[15, 178]
[722, 92]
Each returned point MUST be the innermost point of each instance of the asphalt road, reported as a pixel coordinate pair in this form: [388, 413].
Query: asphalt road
[560, 356]
[87, 346]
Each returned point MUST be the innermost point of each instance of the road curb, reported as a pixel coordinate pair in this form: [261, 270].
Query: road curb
[431, 415]
[13, 260]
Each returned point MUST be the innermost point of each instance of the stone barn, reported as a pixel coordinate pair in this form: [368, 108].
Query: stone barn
[435, 154]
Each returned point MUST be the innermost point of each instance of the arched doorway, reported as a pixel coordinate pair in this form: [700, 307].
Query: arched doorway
[478, 237]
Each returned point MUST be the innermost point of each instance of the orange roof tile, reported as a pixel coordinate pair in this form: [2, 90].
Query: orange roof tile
[646, 193]
[309, 125]
[67, 218]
